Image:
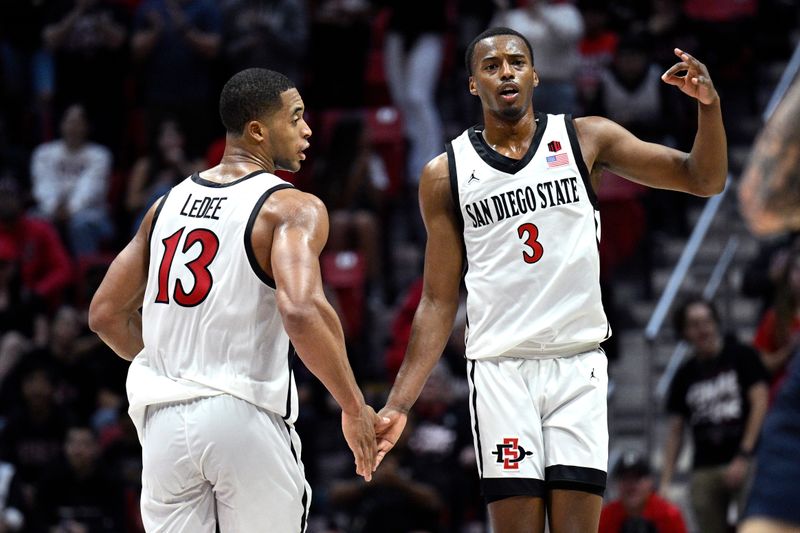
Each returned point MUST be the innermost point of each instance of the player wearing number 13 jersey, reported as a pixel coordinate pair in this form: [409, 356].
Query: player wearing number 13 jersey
[511, 206]
[226, 269]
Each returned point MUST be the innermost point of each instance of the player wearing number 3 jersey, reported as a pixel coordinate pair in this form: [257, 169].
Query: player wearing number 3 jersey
[226, 269]
[512, 206]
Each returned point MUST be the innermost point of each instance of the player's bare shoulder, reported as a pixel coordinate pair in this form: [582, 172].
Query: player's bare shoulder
[593, 135]
[288, 209]
[294, 207]
[435, 178]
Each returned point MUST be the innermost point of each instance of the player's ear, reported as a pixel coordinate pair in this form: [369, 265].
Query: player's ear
[256, 130]
[535, 78]
[472, 89]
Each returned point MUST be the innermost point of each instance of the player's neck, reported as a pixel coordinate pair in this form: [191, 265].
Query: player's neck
[237, 162]
[509, 137]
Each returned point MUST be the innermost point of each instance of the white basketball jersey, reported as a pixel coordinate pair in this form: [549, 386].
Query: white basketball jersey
[531, 237]
[210, 322]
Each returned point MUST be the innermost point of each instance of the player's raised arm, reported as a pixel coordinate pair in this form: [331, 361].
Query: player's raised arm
[114, 312]
[301, 230]
[433, 320]
[701, 172]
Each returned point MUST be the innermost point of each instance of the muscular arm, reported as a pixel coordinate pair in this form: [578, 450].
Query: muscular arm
[300, 232]
[436, 312]
[701, 172]
[770, 190]
[114, 312]
[309, 319]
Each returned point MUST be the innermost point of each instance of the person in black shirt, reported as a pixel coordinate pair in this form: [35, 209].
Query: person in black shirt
[721, 393]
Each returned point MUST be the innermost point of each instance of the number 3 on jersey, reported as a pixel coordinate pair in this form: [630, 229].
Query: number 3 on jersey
[536, 247]
[209, 244]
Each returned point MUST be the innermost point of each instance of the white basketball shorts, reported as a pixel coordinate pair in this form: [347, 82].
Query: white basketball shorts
[221, 458]
[540, 424]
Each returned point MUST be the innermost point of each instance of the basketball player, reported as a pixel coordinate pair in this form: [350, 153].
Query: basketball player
[770, 200]
[512, 204]
[225, 267]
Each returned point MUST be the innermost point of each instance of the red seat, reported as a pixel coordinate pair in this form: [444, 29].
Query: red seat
[345, 272]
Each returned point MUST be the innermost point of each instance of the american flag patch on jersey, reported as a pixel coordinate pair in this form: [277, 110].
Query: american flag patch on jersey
[557, 160]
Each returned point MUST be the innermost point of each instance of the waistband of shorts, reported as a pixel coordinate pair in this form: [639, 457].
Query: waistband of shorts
[545, 351]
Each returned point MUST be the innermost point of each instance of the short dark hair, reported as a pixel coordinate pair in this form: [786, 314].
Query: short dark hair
[249, 95]
[491, 32]
[679, 316]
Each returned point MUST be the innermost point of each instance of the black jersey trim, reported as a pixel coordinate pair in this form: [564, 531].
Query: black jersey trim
[248, 234]
[475, 410]
[576, 152]
[208, 183]
[580, 478]
[497, 160]
[155, 219]
[500, 488]
[304, 501]
[290, 358]
[451, 166]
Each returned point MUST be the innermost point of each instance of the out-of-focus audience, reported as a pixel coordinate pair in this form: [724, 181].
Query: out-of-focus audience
[109, 103]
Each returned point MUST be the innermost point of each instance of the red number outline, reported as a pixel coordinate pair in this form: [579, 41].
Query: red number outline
[203, 281]
[535, 246]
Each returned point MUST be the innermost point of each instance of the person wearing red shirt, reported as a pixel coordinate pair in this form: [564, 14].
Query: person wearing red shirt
[45, 266]
[638, 508]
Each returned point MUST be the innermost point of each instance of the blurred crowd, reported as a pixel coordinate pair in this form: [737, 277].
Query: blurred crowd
[109, 103]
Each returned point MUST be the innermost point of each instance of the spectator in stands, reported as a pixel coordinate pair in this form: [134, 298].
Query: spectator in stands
[597, 47]
[718, 26]
[631, 93]
[778, 335]
[23, 322]
[154, 174]
[88, 40]
[413, 53]
[554, 30]
[32, 436]
[70, 178]
[26, 69]
[638, 509]
[44, 265]
[338, 30]
[269, 34]
[177, 42]
[71, 353]
[721, 392]
[351, 179]
[77, 495]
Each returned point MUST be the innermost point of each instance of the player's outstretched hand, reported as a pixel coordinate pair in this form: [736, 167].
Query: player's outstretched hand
[696, 82]
[359, 432]
[388, 430]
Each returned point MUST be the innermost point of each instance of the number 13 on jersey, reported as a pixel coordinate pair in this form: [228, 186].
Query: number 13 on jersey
[203, 281]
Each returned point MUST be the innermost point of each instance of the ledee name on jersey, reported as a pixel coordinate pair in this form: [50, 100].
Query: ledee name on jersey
[523, 200]
[206, 207]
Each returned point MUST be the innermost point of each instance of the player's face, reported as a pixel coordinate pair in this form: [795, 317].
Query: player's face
[503, 76]
[288, 132]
